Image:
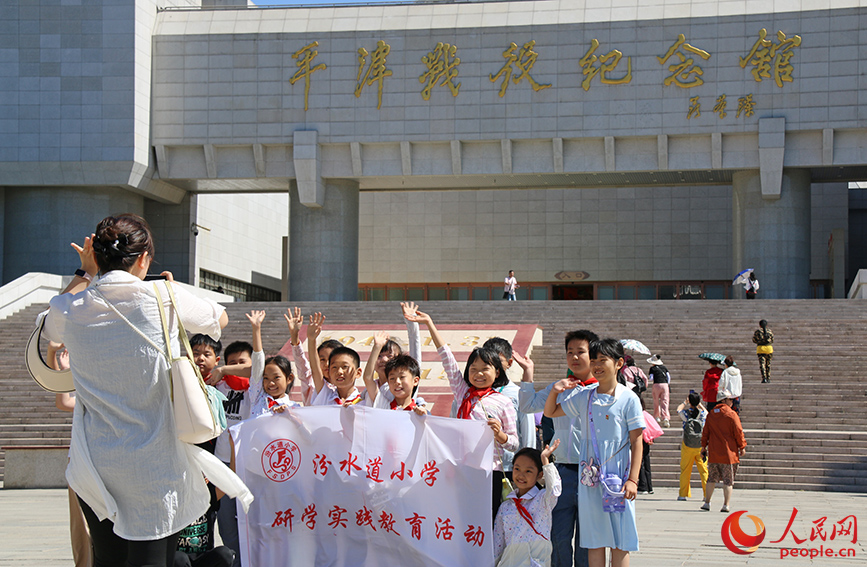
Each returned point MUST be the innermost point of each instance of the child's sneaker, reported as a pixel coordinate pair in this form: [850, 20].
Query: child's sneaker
[725, 509]
[681, 498]
[706, 507]
[666, 423]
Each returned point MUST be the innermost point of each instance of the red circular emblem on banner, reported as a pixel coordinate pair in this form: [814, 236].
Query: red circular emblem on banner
[281, 459]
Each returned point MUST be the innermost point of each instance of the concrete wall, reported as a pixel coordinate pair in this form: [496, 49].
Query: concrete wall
[41, 222]
[626, 234]
[241, 236]
[622, 234]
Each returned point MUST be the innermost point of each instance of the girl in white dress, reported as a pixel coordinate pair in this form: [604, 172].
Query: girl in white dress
[523, 526]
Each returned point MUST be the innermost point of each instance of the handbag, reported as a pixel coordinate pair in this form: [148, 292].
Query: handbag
[198, 408]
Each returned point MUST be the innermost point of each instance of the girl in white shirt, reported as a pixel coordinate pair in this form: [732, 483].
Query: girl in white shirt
[523, 526]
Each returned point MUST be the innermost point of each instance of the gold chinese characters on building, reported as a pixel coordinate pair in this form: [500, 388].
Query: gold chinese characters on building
[770, 57]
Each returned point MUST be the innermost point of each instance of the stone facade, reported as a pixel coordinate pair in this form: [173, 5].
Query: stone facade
[684, 110]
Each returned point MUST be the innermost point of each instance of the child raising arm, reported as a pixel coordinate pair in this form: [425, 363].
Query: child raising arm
[478, 398]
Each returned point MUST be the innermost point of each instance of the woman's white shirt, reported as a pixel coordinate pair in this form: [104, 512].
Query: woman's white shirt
[125, 459]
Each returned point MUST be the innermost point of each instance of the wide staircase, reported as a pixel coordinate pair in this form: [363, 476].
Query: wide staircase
[807, 429]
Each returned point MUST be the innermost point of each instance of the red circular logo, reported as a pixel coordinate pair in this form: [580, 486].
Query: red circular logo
[731, 530]
[281, 459]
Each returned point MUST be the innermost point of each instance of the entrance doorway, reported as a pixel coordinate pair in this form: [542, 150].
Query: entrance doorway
[573, 292]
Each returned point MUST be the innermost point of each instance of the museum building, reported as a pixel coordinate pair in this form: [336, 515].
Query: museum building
[386, 151]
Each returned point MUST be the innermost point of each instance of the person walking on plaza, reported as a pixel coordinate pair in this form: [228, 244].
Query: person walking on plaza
[693, 415]
[660, 376]
[710, 385]
[764, 339]
[723, 443]
[731, 382]
[509, 286]
[751, 286]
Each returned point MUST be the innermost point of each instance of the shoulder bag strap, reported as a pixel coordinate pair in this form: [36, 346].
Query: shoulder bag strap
[165, 323]
[127, 321]
[185, 340]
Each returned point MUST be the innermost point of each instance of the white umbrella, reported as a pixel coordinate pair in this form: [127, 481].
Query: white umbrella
[742, 277]
[635, 346]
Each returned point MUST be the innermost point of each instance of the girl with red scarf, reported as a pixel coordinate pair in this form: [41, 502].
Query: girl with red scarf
[479, 400]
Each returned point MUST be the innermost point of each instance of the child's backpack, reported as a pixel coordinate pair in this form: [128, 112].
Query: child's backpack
[692, 428]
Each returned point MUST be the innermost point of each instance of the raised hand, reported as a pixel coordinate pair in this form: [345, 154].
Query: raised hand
[379, 340]
[86, 255]
[408, 308]
[524, 363]
[417, 317]
[548, 451]
[295, 321]
[315, 326]
[256, 318]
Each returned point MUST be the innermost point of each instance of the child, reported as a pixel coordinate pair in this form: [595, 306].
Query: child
[305, 375]
[479, 399]
[196, 541]
[323, 351]
[237, 406]
[344, 368]
[206, 354]
[82, 555]
[523, 523]
[402, 373]
[526, 425]
[566, 532]
[651, 432]
[690, 449]
[612, 422]
[390, 350]
[270, 379]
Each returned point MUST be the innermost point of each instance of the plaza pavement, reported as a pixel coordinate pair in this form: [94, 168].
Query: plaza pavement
[34, 528]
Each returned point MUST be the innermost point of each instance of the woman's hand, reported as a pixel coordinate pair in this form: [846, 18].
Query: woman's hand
[417, 317]
[168, 275]
[86, 255]
[295, 321]
[548, 451]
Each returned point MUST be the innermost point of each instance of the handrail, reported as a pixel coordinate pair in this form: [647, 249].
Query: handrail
[39, 287]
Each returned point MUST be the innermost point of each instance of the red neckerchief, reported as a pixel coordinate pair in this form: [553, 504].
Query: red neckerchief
[237, 383]
[272, 402]
[524, 513]
[585, 383]
[407, 408]
[472, 396]
[351, 402]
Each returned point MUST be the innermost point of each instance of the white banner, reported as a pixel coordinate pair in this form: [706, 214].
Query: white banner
[360, 486]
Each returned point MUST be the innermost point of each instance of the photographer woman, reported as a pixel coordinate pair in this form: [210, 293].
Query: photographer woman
[138, 484]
